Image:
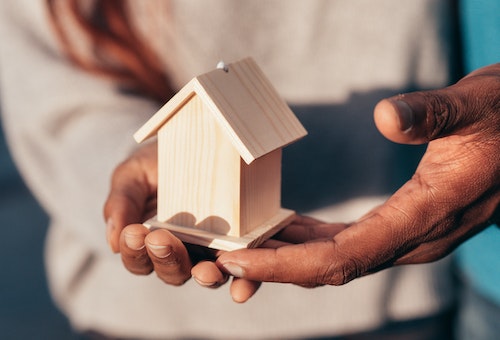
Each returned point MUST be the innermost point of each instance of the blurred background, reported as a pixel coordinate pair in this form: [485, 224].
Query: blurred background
[26, 309]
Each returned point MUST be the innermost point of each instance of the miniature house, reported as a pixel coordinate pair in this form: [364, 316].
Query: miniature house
[219, 158]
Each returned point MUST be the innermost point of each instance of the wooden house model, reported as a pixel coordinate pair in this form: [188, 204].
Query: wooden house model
[220, 140]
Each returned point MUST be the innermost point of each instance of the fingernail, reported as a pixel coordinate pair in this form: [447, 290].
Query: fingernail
[160, 250]
[233, 269]
[405, 115]
[134, 241]
[205, 284]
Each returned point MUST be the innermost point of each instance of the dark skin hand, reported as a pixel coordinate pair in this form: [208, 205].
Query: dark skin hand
[454, 194]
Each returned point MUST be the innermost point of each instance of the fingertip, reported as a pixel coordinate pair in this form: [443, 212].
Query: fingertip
[132, 249]
[242, 290]
[169, 256]
[230, 267]
[395, 120]
[385, 117]
[207, 274]
[162, 237]
[161, 243]
[133, 236]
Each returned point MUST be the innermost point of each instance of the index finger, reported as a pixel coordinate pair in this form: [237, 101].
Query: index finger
[361, 248]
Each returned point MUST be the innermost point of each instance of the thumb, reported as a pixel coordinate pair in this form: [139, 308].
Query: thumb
[418, 117]
[469, 106]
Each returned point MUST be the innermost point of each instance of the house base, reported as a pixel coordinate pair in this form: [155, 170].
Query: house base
[223, 242]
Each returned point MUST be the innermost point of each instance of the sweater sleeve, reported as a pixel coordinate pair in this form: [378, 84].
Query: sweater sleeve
[67, 129]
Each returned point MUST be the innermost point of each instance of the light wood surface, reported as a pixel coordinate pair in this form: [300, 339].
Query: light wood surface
[204, 184]
[246, 105]
[224, 242]
[258, 120]
[199, 172]
[220, 141]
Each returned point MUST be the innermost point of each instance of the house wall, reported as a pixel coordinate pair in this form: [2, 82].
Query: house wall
[199, 172]
[260, 190]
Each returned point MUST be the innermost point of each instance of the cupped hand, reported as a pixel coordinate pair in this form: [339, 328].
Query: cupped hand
[131, 201]
[454, 193]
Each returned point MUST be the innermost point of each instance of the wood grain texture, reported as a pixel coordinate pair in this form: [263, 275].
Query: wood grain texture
[260, 191]
[223, 242]
[219, 156]
[199, 172]
[256, 118]
[203, 182]
[151, 127]
[246, 105]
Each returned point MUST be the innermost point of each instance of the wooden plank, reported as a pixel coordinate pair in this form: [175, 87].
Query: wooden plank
[222, 242]
[246, 105]
[199, 172]
[260, 190]
[168, 110]
[256, 118]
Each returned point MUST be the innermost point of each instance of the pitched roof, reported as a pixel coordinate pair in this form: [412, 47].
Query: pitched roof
[245, 104]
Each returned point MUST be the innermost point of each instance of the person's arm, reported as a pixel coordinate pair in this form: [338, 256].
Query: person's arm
[454, 193]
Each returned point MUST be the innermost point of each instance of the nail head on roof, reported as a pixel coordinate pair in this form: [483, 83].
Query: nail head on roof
[222, 66]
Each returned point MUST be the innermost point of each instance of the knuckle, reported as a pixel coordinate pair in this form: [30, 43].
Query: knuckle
[342, 269]
[441, 115]
[345, 272]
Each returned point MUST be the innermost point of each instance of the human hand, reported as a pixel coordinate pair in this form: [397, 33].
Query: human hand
[453, 194]
[132, 200]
